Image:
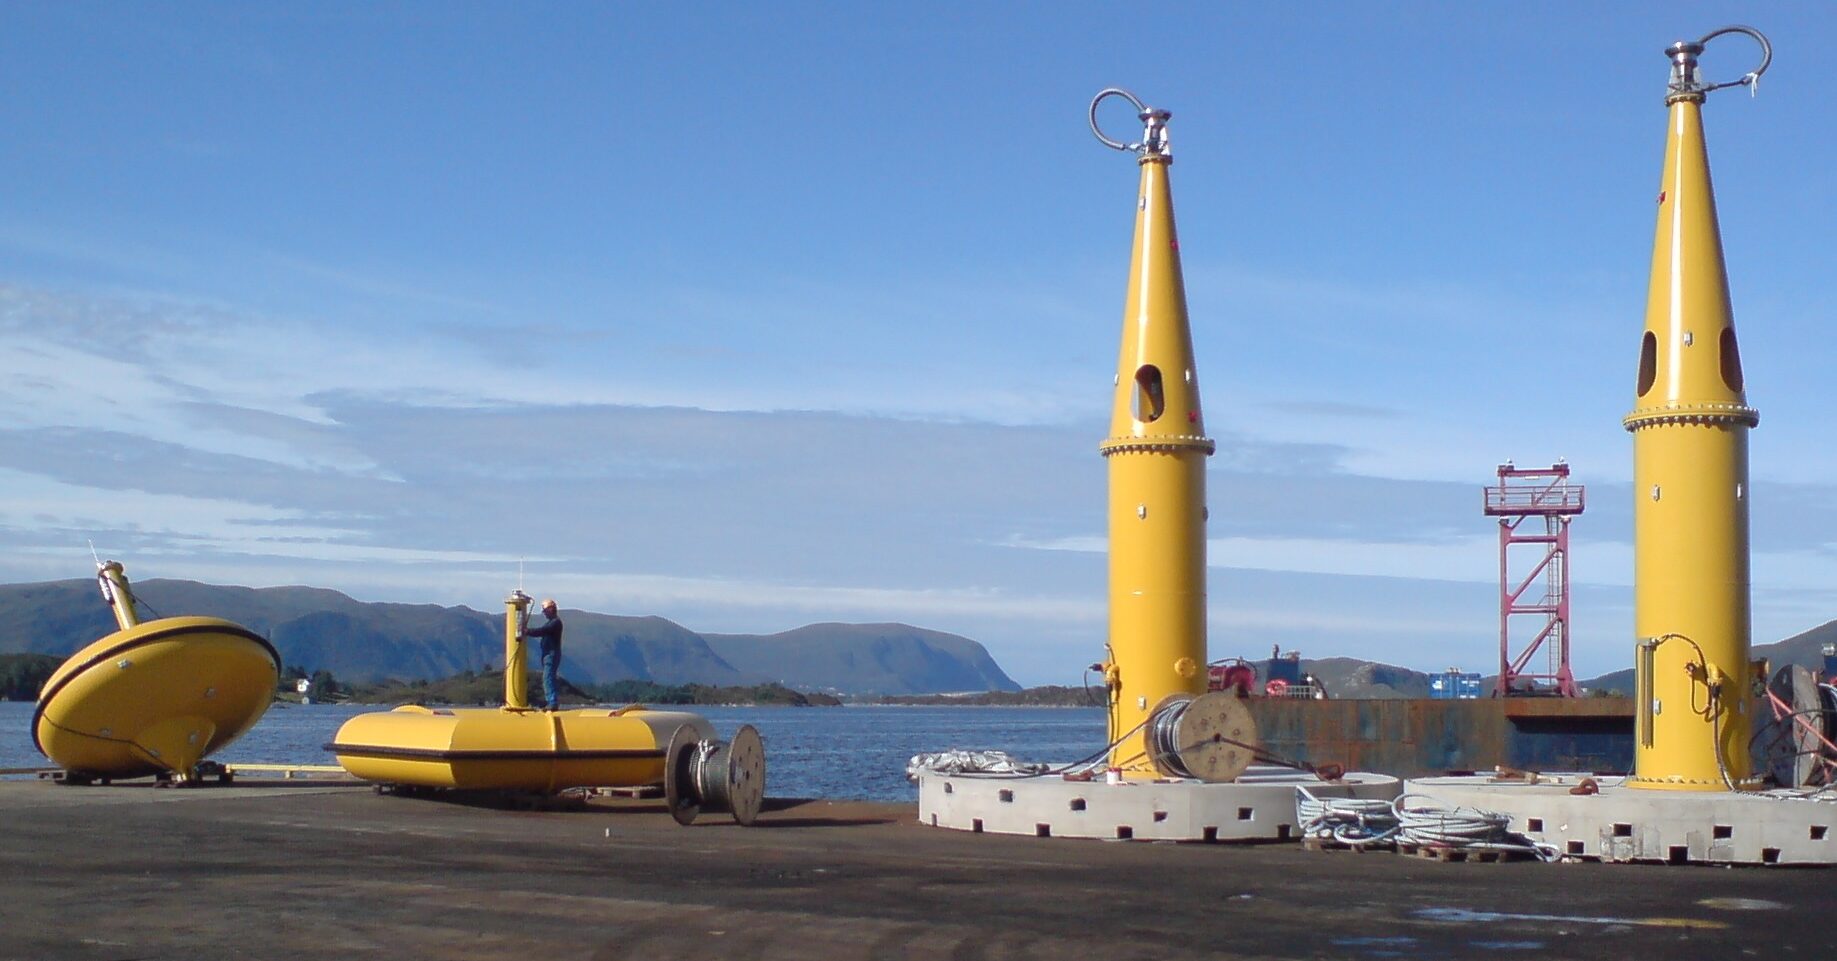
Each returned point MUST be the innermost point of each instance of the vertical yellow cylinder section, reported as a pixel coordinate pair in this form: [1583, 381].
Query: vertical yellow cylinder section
[119, 596]
[1156, 456]
[1690, 467]
[516, 668]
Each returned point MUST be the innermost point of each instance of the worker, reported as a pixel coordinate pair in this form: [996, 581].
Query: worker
[550, 636]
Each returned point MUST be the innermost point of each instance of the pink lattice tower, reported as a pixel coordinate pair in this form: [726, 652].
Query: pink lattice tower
[1521, 495]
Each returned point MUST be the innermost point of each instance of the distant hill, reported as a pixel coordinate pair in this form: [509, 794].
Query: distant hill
[368, 643]
[1616, 682]
[1805, 649]
[865, 659]
[1351, 678]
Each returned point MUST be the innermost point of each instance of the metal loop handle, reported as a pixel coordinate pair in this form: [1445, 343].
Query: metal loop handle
[1683, 55]
[1766, 54]
[1141, 109]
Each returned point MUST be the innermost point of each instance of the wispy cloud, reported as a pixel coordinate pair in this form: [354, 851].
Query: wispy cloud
[377, 283]
[1471, 559]
[227, 445]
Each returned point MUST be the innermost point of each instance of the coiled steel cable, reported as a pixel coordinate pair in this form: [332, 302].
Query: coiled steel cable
[1431, 823]
[1351, 821]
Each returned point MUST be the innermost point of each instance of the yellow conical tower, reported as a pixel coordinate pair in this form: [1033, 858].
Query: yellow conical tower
[1156, 454]
[1690, 424]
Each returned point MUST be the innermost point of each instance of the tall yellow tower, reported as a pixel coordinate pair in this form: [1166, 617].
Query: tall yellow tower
[1156, 454]
[1690, 424]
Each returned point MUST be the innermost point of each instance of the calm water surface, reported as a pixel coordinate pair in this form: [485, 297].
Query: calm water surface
[853, 753]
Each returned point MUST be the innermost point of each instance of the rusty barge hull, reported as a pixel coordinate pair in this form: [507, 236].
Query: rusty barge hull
[1416, 737]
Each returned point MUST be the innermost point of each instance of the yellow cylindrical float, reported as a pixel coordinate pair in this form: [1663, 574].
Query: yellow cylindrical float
[154, 698]
[1690, 426]
[1156, 453]
[514, 748]
[484, 748]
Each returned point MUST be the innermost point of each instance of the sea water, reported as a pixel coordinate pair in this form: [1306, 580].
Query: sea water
[837, 753]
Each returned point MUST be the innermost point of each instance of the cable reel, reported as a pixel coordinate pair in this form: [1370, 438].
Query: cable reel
[722, 776]
[1211, 737]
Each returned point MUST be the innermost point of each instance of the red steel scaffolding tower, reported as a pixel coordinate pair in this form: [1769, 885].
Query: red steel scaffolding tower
[1521, 495]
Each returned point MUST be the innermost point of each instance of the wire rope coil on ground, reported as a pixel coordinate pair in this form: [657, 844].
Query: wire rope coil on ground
[1355, 822]
[1423, 820]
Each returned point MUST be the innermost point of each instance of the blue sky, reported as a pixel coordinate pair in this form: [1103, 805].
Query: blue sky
[755, 316]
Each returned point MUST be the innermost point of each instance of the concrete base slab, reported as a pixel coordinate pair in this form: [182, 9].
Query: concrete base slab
[1622, 823]
[1259, 806]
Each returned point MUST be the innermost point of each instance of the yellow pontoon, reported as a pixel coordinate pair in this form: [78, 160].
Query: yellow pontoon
[516, 748]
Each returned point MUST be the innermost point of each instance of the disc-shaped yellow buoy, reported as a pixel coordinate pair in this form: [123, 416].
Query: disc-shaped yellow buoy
[157, 697]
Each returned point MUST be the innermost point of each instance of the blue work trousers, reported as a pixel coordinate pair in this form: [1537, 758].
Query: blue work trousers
[551, 668]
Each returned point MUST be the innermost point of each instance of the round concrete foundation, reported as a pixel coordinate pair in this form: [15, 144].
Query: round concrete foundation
[1259, 806]
[1621, 823]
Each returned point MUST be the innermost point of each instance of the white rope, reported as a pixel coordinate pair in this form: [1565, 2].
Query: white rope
[1423, 820]
[1351, 821]
[969, 762]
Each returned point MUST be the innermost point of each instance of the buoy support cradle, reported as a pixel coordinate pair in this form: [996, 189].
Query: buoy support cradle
[1155, 455]
[1690, 422]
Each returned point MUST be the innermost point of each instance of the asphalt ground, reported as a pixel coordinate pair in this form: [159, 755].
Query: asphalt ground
[297, 869]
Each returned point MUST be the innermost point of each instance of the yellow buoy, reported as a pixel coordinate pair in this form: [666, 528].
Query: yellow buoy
[514, 748]
[502, 749]
[1156, 453]
[1690, 424]
[155, 697]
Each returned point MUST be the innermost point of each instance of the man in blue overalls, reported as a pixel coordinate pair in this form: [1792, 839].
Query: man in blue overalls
[550, 636]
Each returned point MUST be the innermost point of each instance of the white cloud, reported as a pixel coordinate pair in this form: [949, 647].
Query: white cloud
[190, 527]
[404, 465]
[1455, 559]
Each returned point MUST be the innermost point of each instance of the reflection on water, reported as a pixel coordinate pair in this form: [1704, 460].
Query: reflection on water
[852, 753]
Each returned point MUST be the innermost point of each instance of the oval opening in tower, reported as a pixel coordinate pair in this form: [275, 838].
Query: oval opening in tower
[1648, 362]
[1150, 399]
[1731, 360]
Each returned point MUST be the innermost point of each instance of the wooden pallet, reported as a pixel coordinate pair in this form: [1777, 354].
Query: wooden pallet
[1450, 853]
[1329, 844]
[636, 791]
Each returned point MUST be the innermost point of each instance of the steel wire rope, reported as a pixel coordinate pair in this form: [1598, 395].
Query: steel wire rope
[133, 599]
[1355, 822]
[1785, 729]
[1162, 739]
[1141, 109]
[1073, 767]
[1751, 79]
[1433, 824]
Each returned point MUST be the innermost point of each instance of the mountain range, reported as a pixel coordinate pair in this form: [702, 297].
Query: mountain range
[319, 629]
[1347, 677]
[1805, 649]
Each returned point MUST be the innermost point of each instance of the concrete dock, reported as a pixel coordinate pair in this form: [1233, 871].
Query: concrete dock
[297, 869]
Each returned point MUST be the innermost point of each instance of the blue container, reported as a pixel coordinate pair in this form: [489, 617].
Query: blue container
[1454, 685]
